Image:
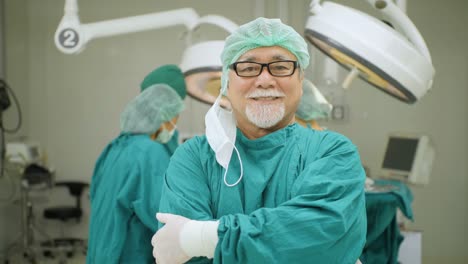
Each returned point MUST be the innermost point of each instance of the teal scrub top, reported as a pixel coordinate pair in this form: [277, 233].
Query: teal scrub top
[301, 199]
[125, 194]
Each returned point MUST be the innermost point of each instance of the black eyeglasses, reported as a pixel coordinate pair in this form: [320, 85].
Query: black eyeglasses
[276, 68]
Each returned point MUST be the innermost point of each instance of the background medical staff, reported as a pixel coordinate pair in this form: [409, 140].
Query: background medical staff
[313, 106]
[127, 180]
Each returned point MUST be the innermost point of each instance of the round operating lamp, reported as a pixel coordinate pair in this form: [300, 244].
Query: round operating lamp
[396, 64]
[202, 67]
[202, 57]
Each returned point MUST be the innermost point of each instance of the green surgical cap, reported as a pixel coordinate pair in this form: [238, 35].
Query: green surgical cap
[262, 32]
[155, 105]
[169, 74]
[313, 104]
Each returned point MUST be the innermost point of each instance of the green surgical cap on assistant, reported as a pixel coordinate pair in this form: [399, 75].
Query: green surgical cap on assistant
[155, 105]
[262, 32]
[169, 74]
[313, 104]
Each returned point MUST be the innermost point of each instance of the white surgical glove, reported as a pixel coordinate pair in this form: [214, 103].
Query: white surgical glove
[181, 239]
[166, 242]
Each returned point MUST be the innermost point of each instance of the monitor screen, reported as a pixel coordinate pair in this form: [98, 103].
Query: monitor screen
[400, 153]
[408, 158]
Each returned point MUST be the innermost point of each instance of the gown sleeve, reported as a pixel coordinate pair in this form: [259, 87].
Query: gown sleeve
[185, 189]
[151, 168]
[100, 162]
[324, 221]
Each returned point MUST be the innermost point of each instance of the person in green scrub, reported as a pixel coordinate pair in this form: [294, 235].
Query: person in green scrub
[312, 107]
[128, 176]
[258, 187]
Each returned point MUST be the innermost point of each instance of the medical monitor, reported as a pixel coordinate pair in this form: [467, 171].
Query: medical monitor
[23, 153]
[408, 158]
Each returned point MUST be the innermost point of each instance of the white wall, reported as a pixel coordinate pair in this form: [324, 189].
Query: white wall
[2, 40]
[72, 103]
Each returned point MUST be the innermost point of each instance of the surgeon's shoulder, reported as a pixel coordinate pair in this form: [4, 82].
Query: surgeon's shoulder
[147, 151]
[144, 144]
[197, 145]
[136, 144]
[327, 141]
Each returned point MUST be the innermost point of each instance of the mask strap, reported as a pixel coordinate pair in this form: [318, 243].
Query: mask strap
[227, 168]
[216, 103]
[174, 126]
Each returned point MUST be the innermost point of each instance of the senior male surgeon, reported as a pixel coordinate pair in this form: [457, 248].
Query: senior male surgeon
[258, 187]
[128, 177]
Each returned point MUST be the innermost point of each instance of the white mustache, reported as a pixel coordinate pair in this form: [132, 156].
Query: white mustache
[265, 93]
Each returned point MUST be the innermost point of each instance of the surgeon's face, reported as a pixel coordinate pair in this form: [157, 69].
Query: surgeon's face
[264, 103]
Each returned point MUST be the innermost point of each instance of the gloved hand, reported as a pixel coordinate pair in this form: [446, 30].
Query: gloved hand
[166, 242]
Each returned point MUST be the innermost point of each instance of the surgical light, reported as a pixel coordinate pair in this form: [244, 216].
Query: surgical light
[202, 66]
[399, 64]
[201, 62]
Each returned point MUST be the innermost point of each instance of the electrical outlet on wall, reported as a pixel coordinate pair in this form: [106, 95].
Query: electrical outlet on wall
[338, 112]
[336, 96]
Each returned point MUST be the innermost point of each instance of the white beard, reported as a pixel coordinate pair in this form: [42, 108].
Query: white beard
[265, 116]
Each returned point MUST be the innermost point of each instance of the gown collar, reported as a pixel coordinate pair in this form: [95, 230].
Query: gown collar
[274, 139]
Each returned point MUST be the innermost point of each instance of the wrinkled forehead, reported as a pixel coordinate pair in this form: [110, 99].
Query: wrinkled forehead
[264, 54]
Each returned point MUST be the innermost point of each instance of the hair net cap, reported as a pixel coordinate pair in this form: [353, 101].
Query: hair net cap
[152, 107]
[262, 32]
[169, 74]
[313, 104]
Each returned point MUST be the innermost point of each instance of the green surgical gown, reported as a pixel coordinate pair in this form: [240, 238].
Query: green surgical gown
[383, 235]
[125, 193]
[301, 199]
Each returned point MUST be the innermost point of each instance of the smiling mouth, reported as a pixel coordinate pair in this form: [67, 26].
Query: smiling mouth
[268, 98]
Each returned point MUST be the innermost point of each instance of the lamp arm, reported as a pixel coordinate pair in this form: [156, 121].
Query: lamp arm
[71, 36]
[401, 4]
[185, 16]
[219, 21]
[315, 6]
[71, 7]
[400, 19]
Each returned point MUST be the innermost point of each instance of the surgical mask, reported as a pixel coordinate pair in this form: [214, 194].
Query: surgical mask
[164, 136]
[221, 135]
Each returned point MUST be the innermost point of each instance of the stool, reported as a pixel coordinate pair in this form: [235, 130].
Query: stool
[65, 213]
